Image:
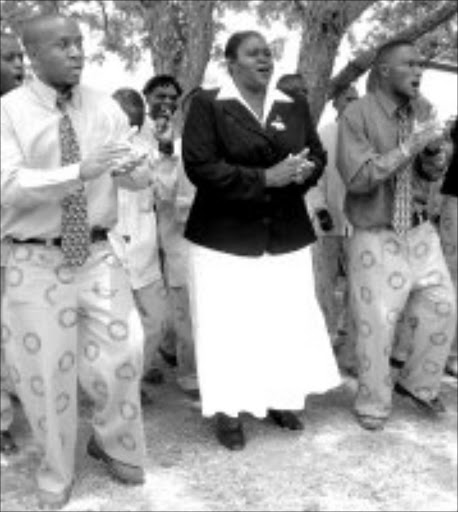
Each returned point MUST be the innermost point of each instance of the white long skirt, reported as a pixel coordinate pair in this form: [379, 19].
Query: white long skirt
[261, 340]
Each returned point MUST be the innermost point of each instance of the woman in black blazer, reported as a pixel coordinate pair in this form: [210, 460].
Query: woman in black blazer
[252, 152]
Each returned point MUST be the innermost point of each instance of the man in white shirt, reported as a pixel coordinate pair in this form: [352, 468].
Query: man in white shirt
[326, 204]
[69, 311]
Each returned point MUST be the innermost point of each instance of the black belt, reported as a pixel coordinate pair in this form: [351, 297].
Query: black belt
[97, 235]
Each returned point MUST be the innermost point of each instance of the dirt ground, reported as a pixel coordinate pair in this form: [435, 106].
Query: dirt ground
[333, 465]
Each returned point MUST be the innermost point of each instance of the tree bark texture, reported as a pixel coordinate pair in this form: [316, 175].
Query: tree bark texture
[181, 37]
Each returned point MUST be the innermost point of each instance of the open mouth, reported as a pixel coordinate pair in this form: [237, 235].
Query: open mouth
[415, 84]
[18, 78]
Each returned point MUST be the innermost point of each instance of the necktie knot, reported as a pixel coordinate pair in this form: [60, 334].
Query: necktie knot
[63, 99]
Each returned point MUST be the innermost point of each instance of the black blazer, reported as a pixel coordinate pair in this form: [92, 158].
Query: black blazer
[225, 153]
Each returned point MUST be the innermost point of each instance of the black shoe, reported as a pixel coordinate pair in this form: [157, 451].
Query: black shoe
[7, 443]
[434, 406]
[285, 419]
[229, 432]
[396, 363]
[170, 359]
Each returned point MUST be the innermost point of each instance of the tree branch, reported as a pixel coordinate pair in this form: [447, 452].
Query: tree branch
[362, 63]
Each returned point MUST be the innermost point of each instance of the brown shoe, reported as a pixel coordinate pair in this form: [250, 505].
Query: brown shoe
[48, 500]
[125, 473]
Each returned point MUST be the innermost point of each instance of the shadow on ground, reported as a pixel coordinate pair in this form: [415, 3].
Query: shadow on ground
[332, 465]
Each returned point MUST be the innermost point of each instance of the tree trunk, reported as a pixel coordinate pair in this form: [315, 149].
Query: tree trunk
[181, 37]
[323, 27]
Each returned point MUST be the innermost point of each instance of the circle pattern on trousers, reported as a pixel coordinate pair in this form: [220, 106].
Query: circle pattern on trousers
[396, 280]
[32, 343]
[387, 350]
[15, 376]
[366, 295]
[364, 391]
[6, 334]
[64, 274]
[421, 250]
[67, 361]
[127, 441]
[14, 276]
[431, 367]
[118, 330]
[68, 317]
[393, 316]
[424, 393]
[62, 402]
[392, 246]
[126, 371]
[367, 259]
[365, 329]
[443, 309]
[91, 351]
[128, 410]
[22, 253]
[37, 385]
[438, 339]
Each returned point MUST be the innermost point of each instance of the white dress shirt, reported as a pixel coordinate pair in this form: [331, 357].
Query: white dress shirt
[33, 181]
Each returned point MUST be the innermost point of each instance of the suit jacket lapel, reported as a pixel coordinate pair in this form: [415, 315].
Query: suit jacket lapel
[243, 116]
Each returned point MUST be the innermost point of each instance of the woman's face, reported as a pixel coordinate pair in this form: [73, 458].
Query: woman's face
[253, 65]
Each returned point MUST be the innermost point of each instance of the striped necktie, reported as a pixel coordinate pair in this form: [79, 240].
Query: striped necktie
[403, 208]
[75, 229]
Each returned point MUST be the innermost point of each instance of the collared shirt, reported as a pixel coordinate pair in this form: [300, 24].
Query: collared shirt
[329, 193]
[33, 181]
[229, 91]
[369, 157]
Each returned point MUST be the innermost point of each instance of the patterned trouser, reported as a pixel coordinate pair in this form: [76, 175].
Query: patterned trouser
[60, 324]
[448, 234]
[388, 275]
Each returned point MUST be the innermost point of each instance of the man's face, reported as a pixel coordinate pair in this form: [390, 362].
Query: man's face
[58, 58]
[11, 64]
[403, 71]
[162, 101]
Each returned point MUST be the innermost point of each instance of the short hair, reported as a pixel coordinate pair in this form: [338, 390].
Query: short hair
[129, 98]
[235, 41]
[30, 27]
[161, 81]
[387, 49]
